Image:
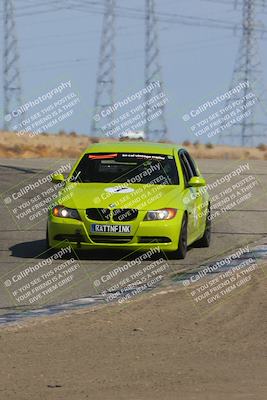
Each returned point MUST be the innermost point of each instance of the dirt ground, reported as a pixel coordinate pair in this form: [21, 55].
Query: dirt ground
[157, 347]
[71, 145]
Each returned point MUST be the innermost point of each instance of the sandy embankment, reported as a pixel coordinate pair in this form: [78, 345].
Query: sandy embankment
[72, 145]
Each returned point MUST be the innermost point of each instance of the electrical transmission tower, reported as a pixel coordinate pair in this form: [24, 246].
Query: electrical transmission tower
[248, 69]
[104, 96]
[12, 85]
[155, 129]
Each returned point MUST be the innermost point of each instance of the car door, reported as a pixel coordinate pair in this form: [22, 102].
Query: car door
[201, 196]
[190, 197]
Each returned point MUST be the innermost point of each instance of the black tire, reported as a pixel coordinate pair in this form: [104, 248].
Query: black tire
[205, 240]
[47, 240]
[182, 246]
[49, 250]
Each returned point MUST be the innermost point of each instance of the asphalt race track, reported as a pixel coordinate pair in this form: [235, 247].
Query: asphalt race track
[23, 241]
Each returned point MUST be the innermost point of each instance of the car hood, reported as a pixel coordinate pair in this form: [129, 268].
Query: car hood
[103, 195]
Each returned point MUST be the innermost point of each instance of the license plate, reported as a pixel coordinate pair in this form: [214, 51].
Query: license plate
[101, 228]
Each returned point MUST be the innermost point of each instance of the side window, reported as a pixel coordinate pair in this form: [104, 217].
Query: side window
[187, 172]
[192, 164]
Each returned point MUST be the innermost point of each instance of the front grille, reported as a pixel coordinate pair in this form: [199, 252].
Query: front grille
[110, 239]
[119, 214]
[98, 214]
[151, 239]
[124, 214]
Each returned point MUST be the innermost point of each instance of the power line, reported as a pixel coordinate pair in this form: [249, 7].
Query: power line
[247, 71]
[155, 128]
[104, 97]
[12, 83]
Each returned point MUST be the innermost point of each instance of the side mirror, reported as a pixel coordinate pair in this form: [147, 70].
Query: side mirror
[57, 178]
[196, 181]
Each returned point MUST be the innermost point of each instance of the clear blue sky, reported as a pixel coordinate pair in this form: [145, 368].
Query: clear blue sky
[197, 61]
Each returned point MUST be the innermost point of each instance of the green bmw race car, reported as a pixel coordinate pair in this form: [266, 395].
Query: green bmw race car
[131, 195]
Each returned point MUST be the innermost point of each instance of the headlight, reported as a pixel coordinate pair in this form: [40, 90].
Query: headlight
[164, 213]
[64, 212]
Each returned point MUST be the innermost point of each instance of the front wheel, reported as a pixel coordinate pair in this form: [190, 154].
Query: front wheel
[205, 240]
[47, 239]
[49, 250]
[182, 245]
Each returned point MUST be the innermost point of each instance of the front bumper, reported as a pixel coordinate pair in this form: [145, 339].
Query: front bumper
[145, 234]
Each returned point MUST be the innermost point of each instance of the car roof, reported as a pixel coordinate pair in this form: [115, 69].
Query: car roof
[134, 147]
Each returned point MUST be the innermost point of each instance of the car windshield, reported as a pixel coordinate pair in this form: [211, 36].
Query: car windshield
[126, 168]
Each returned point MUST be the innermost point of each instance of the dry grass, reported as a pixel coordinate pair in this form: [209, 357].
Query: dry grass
[44, 145]
[71, 145]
